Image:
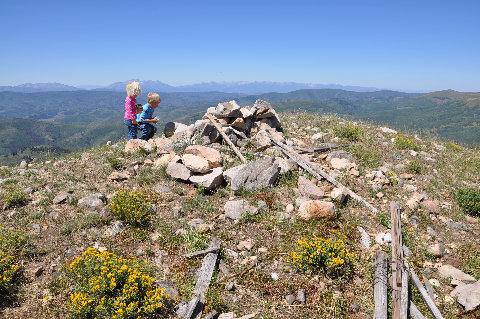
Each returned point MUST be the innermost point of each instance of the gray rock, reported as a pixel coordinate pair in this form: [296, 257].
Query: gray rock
[262, 141]
[208, 180]
[177, 212]
[414, 221]
[290, 299]
[301, 297]
[262, 206]
[258, 174]
[448, 271]
[437, 250]
[230, 173]
[365, 240]
[195, 163]
[340, 154]
[457, 225]
[23, 164]
[93, 202]
[309, 189]
[236, 209]
[230, 286]
[118, 176]
[468, 295]
[274, 276]
[163, 190]
[115, 228]
[431, 232]
[177, 170]
[62, 198]
[289, 209]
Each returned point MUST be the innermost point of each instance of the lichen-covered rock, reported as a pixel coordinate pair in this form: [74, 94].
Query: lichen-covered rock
[258, 174]
[179, 171]
[135, 145]
[195, 163]
[208, 180]
[213, 157]
[317, 209]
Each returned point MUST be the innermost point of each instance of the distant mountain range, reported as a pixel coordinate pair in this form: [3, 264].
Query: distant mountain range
[38, 87]
[257, 87]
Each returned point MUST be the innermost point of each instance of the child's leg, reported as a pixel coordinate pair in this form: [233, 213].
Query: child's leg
[145, 131]
[152, 131]
[132, 129]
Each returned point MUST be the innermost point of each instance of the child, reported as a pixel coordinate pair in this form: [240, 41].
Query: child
[144, 119]
[133, 90]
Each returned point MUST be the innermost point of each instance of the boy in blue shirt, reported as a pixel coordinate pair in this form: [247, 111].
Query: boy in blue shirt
[146, 117]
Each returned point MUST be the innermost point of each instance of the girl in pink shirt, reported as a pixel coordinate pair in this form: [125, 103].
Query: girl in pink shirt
[133, 90]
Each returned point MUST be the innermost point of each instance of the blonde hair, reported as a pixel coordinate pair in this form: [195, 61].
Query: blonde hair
[133, 88]
[154, 97]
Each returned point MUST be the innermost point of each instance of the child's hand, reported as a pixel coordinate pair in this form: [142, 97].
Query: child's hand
[134, 122]
[155, 121]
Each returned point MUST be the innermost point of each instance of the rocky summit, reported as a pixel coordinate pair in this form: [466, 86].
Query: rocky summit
[260, 236]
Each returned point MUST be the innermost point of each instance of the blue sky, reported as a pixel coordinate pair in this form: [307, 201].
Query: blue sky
[409, 45]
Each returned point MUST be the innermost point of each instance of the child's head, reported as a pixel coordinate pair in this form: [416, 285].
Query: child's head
[154, 99]
[133, 89]
[139, 108]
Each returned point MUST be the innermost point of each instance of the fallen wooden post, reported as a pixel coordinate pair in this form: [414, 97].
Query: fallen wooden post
[428, 288]
[380, 292]
[202, 252]
[423, 292]
[196, 304]
[318, 173]
[315, 150]
[225, 137]
[414, 312]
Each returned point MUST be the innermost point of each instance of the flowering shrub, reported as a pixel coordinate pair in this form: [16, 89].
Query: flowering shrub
[111, 287]
[349, 132]
[7, 271]
[131, 207]
[392, 178]
[10, 240]
[405, 143]
[323, 254]
[469, 200]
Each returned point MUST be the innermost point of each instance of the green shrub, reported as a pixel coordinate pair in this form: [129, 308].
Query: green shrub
[452, 146]
[350, 132]
[15, 198]
[106, 286]
[115, 163]
[369, 157]
[131, 207]
[469, 200]
[329, 255]
[405, 143]
[414, 167]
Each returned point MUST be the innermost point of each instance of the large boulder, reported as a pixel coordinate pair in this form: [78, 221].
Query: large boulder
[213, 157]
[317, 209]
[448, 271]
[178, 170]
[209, 180]
[262, 141]
[135, 145]
[236, 209]
[468, 295]
[227, 109]
[195, 163]
[257, 174]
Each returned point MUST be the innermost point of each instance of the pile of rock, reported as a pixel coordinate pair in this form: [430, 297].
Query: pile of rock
[238, 123]
[199, 164]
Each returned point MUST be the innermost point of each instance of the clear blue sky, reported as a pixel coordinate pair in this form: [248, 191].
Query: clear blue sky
[415, 45]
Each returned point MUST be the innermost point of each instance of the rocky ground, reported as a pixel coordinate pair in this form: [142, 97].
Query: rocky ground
[259, 210]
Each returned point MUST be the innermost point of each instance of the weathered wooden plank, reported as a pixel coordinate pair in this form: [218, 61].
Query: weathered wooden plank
[428, 288]
[381, 285]
[225, 137]
[399, 304]
[196, 304]
[414, 312]
[423, 292]
[201, 252]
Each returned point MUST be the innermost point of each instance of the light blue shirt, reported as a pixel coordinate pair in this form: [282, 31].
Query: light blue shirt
[147, 114]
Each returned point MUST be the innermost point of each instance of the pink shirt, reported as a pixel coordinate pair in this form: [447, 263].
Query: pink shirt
[130, 108]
